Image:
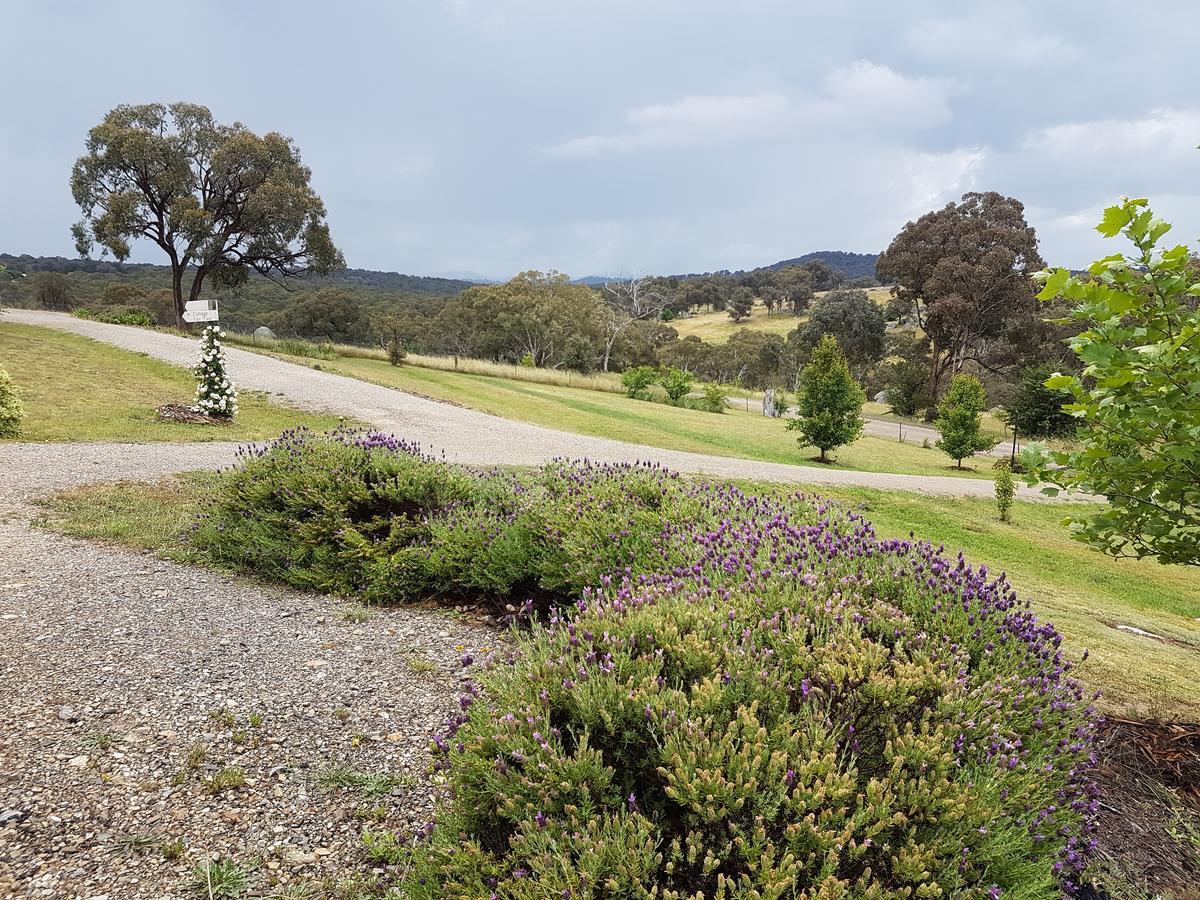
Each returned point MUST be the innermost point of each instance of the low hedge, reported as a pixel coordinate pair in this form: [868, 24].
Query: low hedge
[729, 696]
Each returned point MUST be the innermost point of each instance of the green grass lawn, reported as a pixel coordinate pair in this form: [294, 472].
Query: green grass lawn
[77, 389]
[735, 433]
[1086, 595]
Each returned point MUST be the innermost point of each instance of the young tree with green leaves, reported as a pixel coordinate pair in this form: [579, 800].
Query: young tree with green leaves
[637, 381]
[1137, 401]
[1006, 489]
[829, 407]
[677, 383]
[219, 200]
[958, 419]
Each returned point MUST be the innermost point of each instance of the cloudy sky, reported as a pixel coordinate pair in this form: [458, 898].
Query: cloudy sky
[621, 136]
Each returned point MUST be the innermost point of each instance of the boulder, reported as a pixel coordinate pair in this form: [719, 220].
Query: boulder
[262, 331]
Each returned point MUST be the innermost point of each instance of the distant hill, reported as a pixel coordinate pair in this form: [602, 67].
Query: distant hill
[384, 281]
[854, 265]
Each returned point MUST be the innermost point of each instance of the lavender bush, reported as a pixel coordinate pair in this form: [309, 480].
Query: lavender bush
[799, 709]
[728, 696]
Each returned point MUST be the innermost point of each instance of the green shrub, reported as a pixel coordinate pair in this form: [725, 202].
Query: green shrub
[528, 361]
[365, 514]
[116, 315]
[715, 399]
[11, 409]
[637, 381]
[677, 383]
[791, 710]
[301, 347]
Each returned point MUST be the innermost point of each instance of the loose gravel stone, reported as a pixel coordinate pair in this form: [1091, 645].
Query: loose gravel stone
[132, 689]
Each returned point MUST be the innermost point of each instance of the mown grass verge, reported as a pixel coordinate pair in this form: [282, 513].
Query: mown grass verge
[76, 389]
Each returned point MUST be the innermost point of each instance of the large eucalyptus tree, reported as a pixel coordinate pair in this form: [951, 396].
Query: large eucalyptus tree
[219, 200]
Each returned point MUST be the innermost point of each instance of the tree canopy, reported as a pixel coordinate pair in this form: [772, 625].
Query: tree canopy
[219, 200]
[1137, 400]
[829, 407]
[962, 272]
[856, 322]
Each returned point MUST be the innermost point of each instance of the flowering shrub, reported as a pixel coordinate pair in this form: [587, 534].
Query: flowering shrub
[729, 696]
[795, 709]
[364, 513]
[215, 395]
[11, 409]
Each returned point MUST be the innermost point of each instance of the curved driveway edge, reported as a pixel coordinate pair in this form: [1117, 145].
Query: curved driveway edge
[461, 435]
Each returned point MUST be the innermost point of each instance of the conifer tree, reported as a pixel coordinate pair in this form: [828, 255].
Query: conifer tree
[829, 408]
[958, 419]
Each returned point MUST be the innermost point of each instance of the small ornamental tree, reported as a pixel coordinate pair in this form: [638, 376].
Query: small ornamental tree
[10, 407]
[677, 383]
[1137, 400]
[637, 382]
[1005, 489]
[958, 419]
[215, 395]
[829, 408]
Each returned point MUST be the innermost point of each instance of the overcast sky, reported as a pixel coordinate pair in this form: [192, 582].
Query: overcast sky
[623, 136]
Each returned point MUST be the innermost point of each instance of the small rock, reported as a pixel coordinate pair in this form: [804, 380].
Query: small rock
[68, 714]
[79, 761]
[299, 858]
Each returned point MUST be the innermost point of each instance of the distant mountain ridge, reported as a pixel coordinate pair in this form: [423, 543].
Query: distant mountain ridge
[389, 281]
[854, 265]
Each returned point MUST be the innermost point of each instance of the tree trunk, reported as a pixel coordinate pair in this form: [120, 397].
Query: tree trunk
[822, 458]
[177, 295]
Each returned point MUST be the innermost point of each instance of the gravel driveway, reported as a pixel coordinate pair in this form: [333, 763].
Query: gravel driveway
[130, 687]
[466, 435]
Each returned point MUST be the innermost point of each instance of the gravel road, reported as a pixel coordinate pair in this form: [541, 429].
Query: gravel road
[128, 684]
[466, 435]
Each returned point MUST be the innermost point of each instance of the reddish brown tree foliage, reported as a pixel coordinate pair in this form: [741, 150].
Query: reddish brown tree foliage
[963, 272]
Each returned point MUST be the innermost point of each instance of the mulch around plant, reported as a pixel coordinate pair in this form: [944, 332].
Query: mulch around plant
[1149, 778]
[174, 412]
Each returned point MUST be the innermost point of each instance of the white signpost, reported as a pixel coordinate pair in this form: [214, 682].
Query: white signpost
[200, 310]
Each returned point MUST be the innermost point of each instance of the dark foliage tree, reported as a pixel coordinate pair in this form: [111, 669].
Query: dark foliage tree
[856, 322]
[962, 273]
[52, 291]
[329, 314]
[1037, 411]
[823, 276]
[219, 200]
[906, 374]
[741, 302]
[794, 286]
